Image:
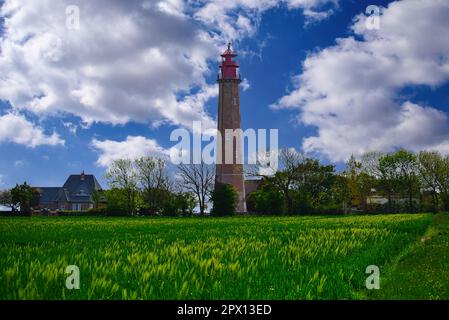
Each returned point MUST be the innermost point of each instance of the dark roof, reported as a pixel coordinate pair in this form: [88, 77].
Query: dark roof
[79, 187]
[48, 195]
[63, 195]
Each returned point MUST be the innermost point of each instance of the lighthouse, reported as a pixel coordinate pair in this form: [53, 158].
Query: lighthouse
[229, 167]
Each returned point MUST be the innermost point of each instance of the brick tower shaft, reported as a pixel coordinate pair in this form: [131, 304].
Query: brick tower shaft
[230, 172]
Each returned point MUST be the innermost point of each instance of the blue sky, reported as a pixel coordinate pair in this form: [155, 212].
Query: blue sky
[73, 100]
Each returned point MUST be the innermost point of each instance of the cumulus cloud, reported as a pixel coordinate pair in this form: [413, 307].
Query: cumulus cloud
[17, 129]
[132, 148]
[351, 91]
[141, 61]
[235, 19]
[130, 61]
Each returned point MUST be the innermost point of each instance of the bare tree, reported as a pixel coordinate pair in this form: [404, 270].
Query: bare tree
[262, 164]
[370, 163]
[199, 179]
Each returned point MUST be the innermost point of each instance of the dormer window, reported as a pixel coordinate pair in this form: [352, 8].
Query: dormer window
[81, 192]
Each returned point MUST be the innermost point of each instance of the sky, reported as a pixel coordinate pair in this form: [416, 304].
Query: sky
[77, 94]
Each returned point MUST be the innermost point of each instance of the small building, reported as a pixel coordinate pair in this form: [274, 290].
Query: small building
[397, 199]
[74, 195]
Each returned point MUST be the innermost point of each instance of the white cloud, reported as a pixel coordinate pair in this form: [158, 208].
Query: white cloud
[245, 84]
[133, 147]
[19, 163]
[236, 19]
[128, 62]
[312, 9]
[351, 91]
[173, 7]
[73, 128]
[141, 61]
[17, 129]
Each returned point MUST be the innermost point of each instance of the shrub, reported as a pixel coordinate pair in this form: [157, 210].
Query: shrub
[224, 199]
[267, 200]
[116, 202]
[101, 211]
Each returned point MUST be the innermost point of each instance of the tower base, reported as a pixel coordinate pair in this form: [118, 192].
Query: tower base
[235, 180]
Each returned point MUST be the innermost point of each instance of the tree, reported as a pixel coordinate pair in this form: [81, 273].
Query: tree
[360, 182]
[310, 184]
[342, 192]
[97, 197]
[304, 183]
[370, 164]
[224, 199]
[25, 197]
[315, 181]
[266, 200]
[430, 166]
[389, 177]
[122, 175]
[179, 204]
[434, 173]
[409, 179]
[284, 179]
[186, 203]
[151, 173]
[399, 175]
[198, 179]
[6, 200]
[443, 181]
[154, 183]
[117, 202]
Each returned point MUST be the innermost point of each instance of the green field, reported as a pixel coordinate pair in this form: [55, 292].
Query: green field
[203, 258]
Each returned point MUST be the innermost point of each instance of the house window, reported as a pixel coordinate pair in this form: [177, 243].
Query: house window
[62, 207]
[76, 207]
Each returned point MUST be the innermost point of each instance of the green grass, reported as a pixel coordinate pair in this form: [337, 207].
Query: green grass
[423, 271]
[202, 258]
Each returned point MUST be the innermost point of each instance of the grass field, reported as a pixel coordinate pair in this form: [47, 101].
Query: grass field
[422, 272]
[204, 258]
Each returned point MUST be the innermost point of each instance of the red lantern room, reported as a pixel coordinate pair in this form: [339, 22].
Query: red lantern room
[228, 66]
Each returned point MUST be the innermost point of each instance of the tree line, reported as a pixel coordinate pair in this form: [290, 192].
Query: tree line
[400, 181]
[144, 187]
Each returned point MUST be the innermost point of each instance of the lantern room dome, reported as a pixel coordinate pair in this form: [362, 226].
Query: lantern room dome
[228, 65]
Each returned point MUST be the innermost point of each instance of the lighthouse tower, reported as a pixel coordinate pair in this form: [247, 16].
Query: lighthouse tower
[229, 168]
